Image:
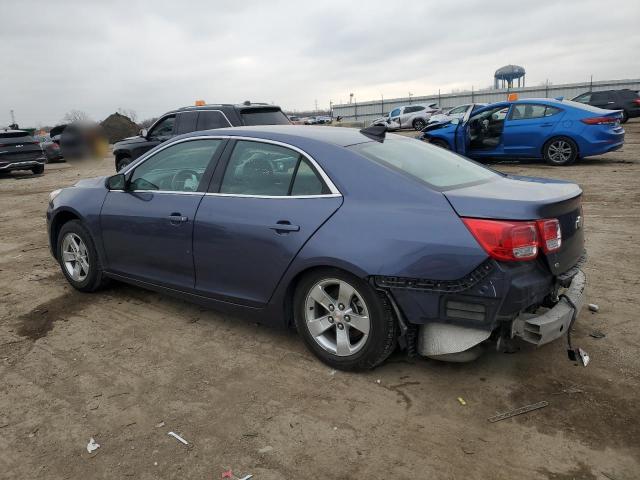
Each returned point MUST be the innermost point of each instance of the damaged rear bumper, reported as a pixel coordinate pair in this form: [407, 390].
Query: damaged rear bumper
[555, 322]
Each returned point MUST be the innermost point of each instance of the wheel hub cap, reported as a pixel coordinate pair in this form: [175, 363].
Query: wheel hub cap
[337, 317]
[75, 257]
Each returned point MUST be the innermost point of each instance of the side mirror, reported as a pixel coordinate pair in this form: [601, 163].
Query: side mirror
[143, 132]
[116, 182]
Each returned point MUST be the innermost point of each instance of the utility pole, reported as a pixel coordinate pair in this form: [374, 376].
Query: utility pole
[316, 101]
[13, 118]
[590, 84]
[382, 104]
[410, 95]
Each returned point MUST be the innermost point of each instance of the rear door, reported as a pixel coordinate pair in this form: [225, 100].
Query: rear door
[147, 229]
[527, 127]
[261, 209]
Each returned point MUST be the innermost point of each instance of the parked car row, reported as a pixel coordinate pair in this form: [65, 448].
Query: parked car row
[625, 100]
[558, 131]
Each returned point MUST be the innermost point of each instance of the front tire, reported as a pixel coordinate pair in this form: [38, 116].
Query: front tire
[343, 320]
[440, 143]
[39, 170]
[625, 116]
[78, 257]
[122, 163]
[560, 151]
[419, 124]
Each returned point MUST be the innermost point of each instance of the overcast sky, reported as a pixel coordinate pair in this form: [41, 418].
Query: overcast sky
[155, 56]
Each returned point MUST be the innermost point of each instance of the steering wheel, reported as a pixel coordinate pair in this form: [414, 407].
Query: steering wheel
[185, 181]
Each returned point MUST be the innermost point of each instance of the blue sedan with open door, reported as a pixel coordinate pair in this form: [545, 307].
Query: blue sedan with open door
[362, 240]
[558, 131]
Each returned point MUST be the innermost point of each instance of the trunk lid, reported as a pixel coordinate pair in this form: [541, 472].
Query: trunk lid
[16, 146]
[528, 198]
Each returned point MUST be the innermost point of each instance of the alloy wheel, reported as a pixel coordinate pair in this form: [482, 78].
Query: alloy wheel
[337, 317]
[560, 151]
[75, 257]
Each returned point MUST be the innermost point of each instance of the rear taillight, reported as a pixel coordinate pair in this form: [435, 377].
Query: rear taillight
[637, 101]
[507, 241]
[550, 235]
[600, 120]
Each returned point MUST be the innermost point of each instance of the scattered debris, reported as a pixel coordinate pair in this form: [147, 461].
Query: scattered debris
[335, 428]
[178, 437]
[593, 307]
[227, 474]
[461, 400]
[33, 433]
[467, 450]
[332, 373]
[597, 334]
[247, 477]
[571, 390]
[266, 449]
[155, 464]
[250, 434]
[92, 445]
[518, 411]
[160, 425]
[378, 381]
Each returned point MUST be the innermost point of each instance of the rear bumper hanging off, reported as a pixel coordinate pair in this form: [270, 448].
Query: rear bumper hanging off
[554, 323]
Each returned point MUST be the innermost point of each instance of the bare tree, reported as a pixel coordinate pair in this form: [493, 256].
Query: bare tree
[130, 113]
[147, 122]
[73, 116]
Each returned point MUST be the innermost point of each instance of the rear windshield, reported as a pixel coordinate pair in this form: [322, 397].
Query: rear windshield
[433, 165]
[272, 116]
[15, 137]
[582, 106]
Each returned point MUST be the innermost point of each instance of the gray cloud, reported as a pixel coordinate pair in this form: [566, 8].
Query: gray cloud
[154, 56]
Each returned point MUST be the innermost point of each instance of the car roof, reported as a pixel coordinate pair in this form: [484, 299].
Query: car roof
[341, 136]
[13, 131]
[209, 106]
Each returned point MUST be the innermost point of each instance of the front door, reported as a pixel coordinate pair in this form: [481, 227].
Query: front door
[394, 119]
[147, 228]
[268, 202]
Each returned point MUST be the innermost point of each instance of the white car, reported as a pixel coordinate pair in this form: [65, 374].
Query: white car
[455, 112]
[408, 116]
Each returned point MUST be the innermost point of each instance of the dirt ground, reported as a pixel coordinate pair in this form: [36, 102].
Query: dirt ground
[126, 366]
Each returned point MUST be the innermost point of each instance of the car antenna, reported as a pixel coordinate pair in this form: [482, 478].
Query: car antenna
[375, 132]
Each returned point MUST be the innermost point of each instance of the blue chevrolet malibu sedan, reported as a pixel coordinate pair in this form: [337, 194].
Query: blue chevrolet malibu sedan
[362, 241]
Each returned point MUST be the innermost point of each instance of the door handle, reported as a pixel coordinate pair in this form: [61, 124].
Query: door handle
[176, 218]
[547, 125]
[284, 226]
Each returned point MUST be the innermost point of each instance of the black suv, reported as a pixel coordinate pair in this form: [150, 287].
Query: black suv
[626, 100]
[20, 151]
[191, 119]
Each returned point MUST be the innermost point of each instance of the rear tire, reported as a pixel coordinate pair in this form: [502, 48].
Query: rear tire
[625, 116]
[78, 257]
[560, 151]
[419, 124]
[440, 143]
[38, 170]
[335, 330]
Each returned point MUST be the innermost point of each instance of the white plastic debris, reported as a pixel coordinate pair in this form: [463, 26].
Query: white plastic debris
[378, 381]
[92, 445]
[266, 449]
[247, 477]
[160, 425]
[593, 307]
[178, 437]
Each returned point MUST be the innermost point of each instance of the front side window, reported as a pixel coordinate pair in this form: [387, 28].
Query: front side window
[178, 168]
[265, 169]
[460, 109]
[432, 165]
[163, 129]
[584, 98]
[395, 113]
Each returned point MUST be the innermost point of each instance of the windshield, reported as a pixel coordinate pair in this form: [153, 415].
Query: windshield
[271, 116]
[433, 165]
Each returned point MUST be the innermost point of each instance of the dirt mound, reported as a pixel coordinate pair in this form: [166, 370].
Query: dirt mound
[117, 126]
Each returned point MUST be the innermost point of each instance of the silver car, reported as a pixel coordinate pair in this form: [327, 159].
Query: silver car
[407, 116]
[456, 112]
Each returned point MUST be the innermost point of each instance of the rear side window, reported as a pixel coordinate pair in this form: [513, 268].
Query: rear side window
[584, 98]
[417, 108]
[208, 120]
[186, 122]
[527, 111]
[600, 96]
[257, 168]
[434, 166]
[264, 116]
